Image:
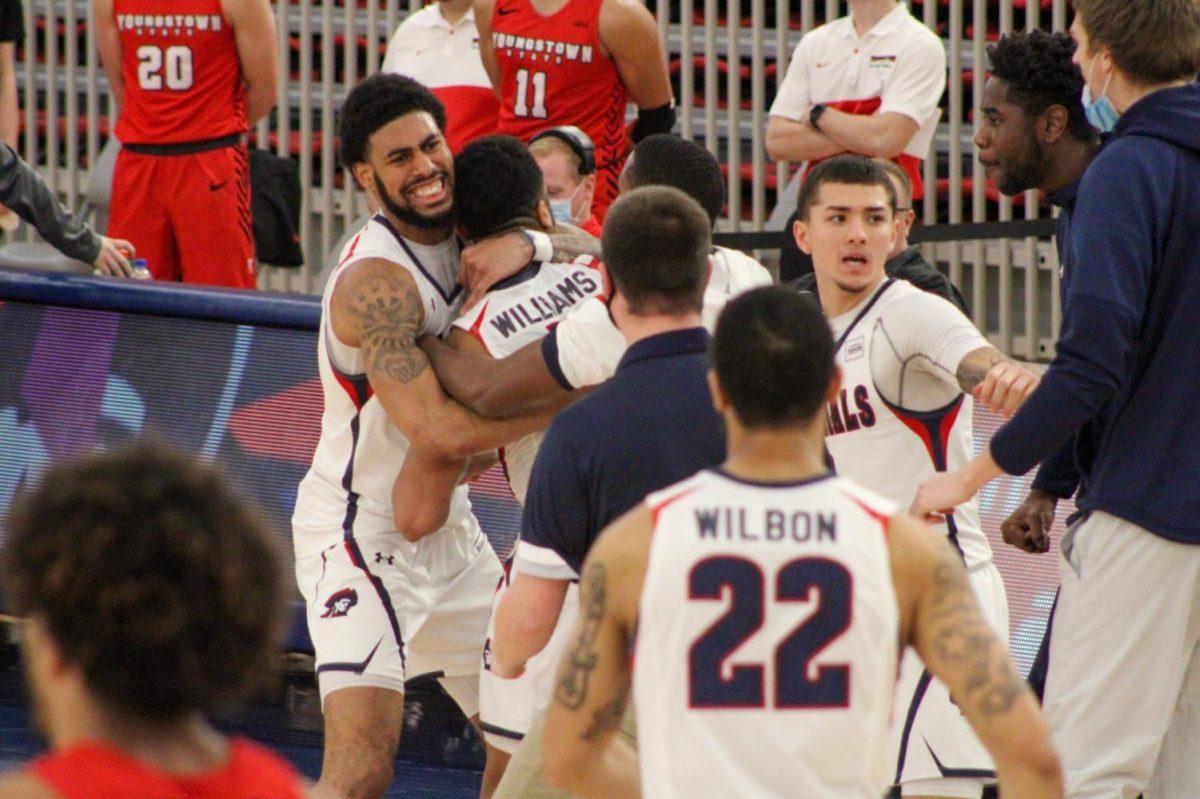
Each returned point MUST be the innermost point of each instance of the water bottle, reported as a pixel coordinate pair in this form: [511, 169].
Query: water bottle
[140, 269]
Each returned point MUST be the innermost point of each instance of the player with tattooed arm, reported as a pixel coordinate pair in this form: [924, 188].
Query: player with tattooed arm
[386, 604]
[763, 600]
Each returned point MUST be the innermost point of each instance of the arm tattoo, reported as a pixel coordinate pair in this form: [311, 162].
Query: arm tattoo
[962, 636]
[388, 313]
[582, 658]
[568, 246]
[972, 370]
[609, 717]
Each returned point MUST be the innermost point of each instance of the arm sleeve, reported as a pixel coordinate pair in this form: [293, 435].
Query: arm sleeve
[930, 329]
[917, 81]
[1058, 474]
[1105, 303]
[794, 98]
[554, 527]
[584, 348]
[24, 191]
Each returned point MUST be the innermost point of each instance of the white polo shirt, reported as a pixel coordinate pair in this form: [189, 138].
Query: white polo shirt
[445, 58]
[900, 63]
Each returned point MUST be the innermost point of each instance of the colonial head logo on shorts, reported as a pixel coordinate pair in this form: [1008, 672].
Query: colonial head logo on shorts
[339, 604]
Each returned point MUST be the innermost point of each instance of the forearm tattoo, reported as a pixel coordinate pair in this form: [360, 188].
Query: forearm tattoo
[568, 246]
[960, 635]
[582, 658]
[388, 312]
[974, 368]
[609, 717]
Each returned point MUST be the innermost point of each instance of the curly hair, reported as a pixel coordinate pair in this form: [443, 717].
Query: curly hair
[153, 579]
[479, 169]
[665, 159]
[374, 103]
[1037, 67]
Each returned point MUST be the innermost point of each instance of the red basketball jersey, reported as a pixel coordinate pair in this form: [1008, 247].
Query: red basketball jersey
[554, 72]
[183, 81]
[98, 771]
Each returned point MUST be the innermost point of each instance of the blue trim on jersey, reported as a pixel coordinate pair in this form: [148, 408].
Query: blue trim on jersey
[385, 599]
[720, 470]
[355, 668]
[967, 773]
[503, 733]
[913, 706]
[530, 271]
[348, 481]
[550, 356]
[865, 309]
[387, 223]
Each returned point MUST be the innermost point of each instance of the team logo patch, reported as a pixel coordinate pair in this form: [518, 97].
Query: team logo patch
[339, 604]
[855, 348]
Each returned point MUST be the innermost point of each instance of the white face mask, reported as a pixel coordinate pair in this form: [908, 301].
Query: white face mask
[561, 209]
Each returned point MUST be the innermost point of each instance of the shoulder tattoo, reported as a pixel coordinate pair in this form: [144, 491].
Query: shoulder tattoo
[388, 312]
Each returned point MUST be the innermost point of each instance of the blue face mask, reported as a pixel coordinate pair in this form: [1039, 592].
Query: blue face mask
[1099, 111]
[561, 209]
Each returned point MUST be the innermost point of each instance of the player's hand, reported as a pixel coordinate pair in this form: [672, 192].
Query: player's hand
[114, 258]
[487, 262]
[1028, 527]
[1006, 386]
[939, 495]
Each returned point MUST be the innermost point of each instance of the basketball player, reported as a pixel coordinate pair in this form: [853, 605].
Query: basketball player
[909, 360]
[189, 85]
[514, 312]
[763, 600]
[149, 594]
[585, 348]
[419, 606]
[577, 62]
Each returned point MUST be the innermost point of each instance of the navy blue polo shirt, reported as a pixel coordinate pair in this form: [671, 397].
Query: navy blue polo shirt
[650, 426]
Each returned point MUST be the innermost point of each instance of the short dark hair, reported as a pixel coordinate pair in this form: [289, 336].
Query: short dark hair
[773, 355]
[374, 103]
[1151, 42]
[896, 171]
[656, 244]
[497, 183]
[151, 577]
[855, 170]
[665, 159]
[1037, 68]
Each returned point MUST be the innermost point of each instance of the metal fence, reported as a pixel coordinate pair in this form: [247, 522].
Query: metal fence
[726, 59]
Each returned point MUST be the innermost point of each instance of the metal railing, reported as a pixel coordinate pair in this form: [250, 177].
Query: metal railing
[728, 57]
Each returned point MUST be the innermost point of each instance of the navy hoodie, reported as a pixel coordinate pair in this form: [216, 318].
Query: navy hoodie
[1127, 370]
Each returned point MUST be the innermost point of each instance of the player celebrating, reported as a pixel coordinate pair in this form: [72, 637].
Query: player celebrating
[418, 606]
[189, 85]
[909, 361]
[513, 313]
[577, 62]
[763, 601]
[585, 348]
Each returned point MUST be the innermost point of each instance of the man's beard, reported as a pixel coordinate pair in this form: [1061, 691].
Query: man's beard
[1027, 175]
[408, 215]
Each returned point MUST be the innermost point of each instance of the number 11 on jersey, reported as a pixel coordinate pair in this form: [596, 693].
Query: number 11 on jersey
[521, 107]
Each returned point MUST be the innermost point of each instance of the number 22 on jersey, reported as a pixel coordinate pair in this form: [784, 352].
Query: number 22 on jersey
[714, 686]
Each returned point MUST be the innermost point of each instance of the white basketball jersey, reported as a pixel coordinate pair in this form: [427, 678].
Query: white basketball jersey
[520, 310]
[890, 449]
[590, 346]
[767, 641]
[348, 488]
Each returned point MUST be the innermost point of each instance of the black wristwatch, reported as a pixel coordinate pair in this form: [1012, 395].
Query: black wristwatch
[815, 115]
